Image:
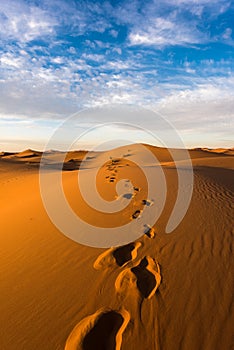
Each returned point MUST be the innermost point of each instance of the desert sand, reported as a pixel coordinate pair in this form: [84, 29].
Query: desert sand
[162, 291]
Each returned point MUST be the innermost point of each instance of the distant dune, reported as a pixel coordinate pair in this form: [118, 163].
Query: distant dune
[160, 292]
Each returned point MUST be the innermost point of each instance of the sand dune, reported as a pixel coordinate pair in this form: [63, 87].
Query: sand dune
[29, 153]
[162, 291]
[229, 151]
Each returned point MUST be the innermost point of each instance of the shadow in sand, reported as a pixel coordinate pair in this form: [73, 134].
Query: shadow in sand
[123, 254]
[145, 279]
[103, 335]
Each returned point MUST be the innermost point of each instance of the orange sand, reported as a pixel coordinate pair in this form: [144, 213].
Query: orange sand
[164, 291]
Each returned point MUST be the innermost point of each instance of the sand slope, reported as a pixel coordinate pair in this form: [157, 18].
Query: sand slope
[164, 291]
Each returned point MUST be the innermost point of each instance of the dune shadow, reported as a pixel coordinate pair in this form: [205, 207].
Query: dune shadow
[29, 156]
[6, 154]
[72, 164]
[103, 335]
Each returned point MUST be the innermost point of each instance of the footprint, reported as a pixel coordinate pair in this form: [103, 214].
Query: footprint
[149, 231]
[120, 256]
[128, 195]
[145, 277]
[147, 202]
[115, 161]
[136, 214]
[126, 253]
[101, 331]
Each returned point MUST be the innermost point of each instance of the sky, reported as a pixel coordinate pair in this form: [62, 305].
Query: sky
[175, 57]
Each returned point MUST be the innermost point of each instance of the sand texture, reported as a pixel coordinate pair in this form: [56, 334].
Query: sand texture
[161, 292]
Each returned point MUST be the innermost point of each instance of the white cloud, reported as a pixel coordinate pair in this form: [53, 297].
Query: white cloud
[57, 60]
[114, 33]
[23, 22]
[209, 106]
[10, 61]
[93, 57]
[118, 65]
[164, 32]
[118, 50]
[174, 22]
[72, 50]
[227, 33]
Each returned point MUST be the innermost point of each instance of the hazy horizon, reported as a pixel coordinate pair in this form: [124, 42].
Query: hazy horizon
[60, 57]
[90, 148]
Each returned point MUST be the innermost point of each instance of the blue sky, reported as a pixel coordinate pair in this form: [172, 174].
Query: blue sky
[173, 56]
